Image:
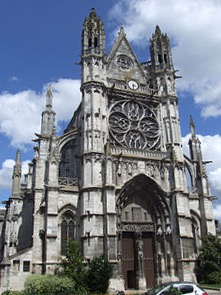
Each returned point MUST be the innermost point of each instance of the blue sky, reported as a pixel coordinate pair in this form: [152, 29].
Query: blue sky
[41, 45]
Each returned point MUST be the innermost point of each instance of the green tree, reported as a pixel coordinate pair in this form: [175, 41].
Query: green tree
[73, 265]
[98, 275]
[209, 259]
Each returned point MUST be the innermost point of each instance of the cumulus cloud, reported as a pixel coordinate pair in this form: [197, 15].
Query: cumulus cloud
[7, 170]
[216, 212]
[20, 113]
[6, 173]
[192, 27]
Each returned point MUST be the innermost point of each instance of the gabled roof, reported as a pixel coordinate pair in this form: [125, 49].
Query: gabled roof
[122, 47]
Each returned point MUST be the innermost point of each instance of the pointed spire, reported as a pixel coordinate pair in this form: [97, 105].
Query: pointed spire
[48, 116]
[16, 174]
[49, 96]
[161, 56]
[158, 30]
[93, 13]
[49, 91]
[192, 126]
[18, 157]
[122, 32]
[93, 37]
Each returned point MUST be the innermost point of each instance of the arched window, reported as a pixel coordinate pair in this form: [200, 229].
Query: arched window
[160, 60]
[67, 231]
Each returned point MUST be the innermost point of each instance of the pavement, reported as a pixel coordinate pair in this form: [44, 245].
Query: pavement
[213, 292]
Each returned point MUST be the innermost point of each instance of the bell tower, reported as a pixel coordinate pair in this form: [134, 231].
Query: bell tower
[93, 47]
[94, 132]
[163, 75]
[161, 57]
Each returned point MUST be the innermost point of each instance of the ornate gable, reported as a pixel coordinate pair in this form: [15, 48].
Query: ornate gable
[122, 63]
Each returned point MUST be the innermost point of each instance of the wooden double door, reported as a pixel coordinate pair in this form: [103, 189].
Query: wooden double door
[138, 259]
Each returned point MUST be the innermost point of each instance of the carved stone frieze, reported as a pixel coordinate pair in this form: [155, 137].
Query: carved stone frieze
[133, 227]
[125, 168]
[93, 157]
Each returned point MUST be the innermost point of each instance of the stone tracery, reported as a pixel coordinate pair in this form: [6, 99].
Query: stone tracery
[134, 125]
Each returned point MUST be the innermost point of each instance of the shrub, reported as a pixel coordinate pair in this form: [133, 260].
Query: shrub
[49, 284]
[8, 292]
[98, 275]
[73, 266]
[214, 277]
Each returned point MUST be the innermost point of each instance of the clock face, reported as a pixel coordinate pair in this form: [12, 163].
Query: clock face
[133, 84]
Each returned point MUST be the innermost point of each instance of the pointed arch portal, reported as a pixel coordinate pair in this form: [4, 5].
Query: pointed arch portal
[144, 229]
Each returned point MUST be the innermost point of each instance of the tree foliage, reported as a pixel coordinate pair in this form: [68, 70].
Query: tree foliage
[73, 265]
[209, 260]
[93, 277]
[76, 277]
[98, 275]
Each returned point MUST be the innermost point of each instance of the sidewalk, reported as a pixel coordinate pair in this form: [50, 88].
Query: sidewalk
[213, 292]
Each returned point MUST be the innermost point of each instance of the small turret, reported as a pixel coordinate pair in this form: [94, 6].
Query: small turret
[194, 144]
[192, 127]
[48, 116]
[93, 37]
[16, 177]
[161, 57]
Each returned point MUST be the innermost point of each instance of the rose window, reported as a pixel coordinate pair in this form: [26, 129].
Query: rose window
[134, 125]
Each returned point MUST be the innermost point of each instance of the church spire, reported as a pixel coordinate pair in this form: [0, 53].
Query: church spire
[192, 127]
[194, 143]
[161, 57]
[93, 37]
[48, 116]
[49, 96]
[16, 177]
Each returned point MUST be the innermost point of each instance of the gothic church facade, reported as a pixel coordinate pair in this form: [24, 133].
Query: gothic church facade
[116, 180]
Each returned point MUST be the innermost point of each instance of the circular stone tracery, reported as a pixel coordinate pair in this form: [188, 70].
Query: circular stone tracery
[134, 125]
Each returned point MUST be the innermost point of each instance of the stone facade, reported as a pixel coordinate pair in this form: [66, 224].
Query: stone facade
[116, 180]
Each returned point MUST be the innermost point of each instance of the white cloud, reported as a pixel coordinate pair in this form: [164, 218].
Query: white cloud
[14, 79]
[7, 170]
[217, 212]
[215, 178]
[20, 113]
[66, 97]
[193, 28]
[6, 173]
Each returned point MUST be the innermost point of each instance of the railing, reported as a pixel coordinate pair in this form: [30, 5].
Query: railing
[142, 153]
[67, 181]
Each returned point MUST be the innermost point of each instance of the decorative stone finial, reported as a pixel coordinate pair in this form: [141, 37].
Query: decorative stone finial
[49, 91]
[192, 126]
[93, 13]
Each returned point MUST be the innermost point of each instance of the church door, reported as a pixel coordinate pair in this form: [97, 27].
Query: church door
[129, 260]
[148, 259]
[135, 264]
